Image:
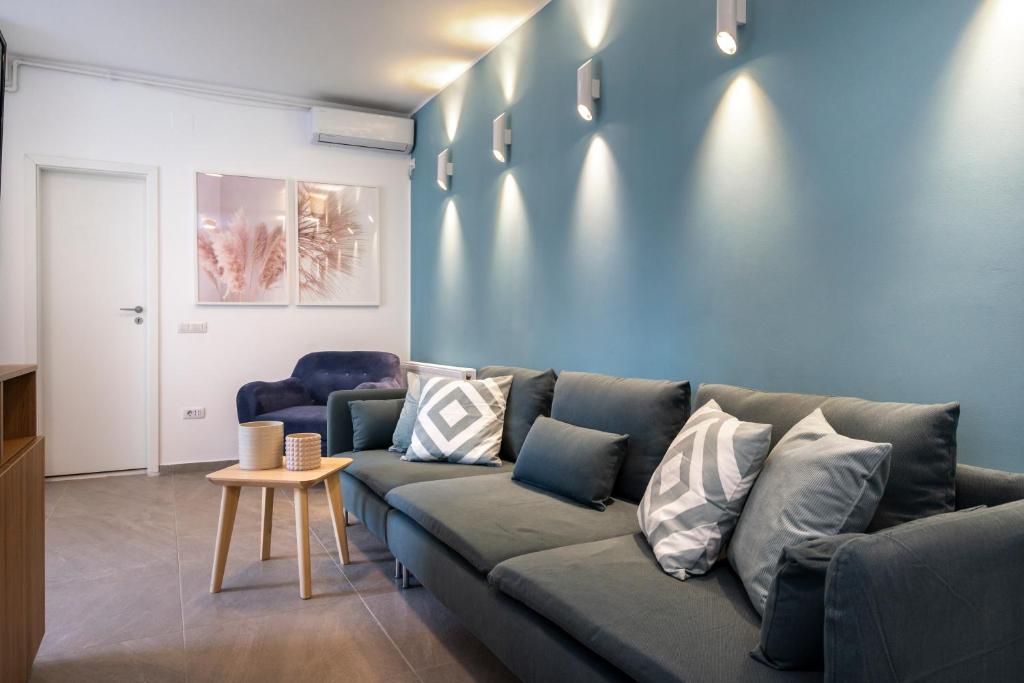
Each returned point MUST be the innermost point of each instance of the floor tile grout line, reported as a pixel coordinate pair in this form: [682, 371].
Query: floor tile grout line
[181, 590]
[341, 570]
[63, 492]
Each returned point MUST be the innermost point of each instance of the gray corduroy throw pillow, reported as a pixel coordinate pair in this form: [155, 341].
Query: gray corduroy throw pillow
[815, 483]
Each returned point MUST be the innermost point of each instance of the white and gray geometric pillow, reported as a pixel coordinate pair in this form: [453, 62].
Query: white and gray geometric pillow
[695, 496]
[460, 421]
[816, 483]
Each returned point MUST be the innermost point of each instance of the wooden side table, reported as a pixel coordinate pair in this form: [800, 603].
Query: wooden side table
[233, 478]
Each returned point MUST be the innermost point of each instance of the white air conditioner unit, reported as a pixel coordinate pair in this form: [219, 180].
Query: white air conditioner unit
[360, 129]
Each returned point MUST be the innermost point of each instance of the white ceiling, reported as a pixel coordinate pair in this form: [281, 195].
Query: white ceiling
[383, 54]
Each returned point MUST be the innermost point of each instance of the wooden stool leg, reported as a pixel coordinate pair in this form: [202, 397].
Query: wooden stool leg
[228, 507]
[302, 542]
[333, 484]
[266, 521]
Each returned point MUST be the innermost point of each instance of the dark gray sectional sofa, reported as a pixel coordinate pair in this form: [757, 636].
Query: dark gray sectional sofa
[563, 592]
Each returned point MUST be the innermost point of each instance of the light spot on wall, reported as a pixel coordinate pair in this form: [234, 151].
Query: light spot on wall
[507, 60]
[742, 168]
[451, 251]
[451, 107]
[512, 229]
[977, 130]
[595, 17]
[597, 219]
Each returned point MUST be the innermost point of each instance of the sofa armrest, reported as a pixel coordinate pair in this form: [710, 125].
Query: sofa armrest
[982, 486]
[256, 398]
[339, 416]
[938, 599]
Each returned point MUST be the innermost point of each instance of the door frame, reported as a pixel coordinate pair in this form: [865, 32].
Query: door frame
[35, 165]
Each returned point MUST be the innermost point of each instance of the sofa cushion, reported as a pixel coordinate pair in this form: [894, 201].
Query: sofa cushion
[923, 439]
[529, 398]
[793, 629]
[650, 411]
[816, 483]
[489, 519]
[383, 470]
[612, 596]
[575, 462]
[460, 420]
[695, 497]
[402, 436]
[373, 422]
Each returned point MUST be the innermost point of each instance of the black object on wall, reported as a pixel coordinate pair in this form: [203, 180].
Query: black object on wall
[3, 89]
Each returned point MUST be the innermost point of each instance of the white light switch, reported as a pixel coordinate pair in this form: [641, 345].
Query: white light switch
[192, 327]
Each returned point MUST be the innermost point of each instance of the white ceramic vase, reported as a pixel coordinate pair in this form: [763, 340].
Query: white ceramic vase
[260, 445]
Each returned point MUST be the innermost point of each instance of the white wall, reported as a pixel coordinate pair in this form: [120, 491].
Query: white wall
[73, 116]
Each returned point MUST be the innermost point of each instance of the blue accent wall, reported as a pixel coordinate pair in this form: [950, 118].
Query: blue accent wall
[838, 208]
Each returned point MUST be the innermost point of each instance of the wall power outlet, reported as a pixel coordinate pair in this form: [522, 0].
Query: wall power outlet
[193, 413]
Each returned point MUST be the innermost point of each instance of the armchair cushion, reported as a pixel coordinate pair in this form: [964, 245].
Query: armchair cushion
[938, 599]
[302, 419]
[256, 398]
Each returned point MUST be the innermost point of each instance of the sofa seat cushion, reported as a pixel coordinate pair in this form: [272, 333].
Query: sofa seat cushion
[487, 520]
[383, 470]
[613, 597]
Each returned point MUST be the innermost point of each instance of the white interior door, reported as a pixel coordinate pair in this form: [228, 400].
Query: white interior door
[92, 241]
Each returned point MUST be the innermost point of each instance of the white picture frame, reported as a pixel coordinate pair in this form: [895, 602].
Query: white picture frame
[337, 245]
[218, 239]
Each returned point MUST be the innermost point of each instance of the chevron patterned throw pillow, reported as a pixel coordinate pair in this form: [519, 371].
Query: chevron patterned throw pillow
[460, 421]
[692, 503]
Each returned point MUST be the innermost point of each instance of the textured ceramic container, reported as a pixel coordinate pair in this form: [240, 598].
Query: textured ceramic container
[302, 451]
[260, 445]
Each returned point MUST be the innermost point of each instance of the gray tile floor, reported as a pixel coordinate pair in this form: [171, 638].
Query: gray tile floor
[127, 595]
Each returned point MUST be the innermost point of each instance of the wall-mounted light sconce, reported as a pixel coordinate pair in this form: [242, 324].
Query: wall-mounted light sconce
[445, 169]
[731, 15]
[501, 137]
[588, 90]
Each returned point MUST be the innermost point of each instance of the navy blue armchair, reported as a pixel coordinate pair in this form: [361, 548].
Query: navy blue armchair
[300, 401]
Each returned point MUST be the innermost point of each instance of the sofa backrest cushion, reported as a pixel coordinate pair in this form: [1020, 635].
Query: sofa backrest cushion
[326, 371]
[529, 398]
[923, 438]
[650, 411]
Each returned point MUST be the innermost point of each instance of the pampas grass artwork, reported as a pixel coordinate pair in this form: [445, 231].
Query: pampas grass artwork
[241, 243]
[338, 245]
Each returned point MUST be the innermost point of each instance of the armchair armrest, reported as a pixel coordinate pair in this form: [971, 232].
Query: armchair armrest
[339, 415]
[256, 398]
[938, 599]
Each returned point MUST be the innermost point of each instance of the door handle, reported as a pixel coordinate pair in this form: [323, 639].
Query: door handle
[133, 309]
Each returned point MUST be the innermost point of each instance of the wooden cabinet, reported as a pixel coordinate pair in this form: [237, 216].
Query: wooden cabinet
[21, 524]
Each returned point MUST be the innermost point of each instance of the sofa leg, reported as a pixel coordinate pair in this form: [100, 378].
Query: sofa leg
[347, 523]
[398, 569]
[405, 577]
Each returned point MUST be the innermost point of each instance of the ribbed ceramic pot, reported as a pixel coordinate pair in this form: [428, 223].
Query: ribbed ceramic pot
[260, 445]
[302, 451]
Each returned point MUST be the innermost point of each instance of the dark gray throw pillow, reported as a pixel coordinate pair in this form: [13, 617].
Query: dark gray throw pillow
[578, 463]
[792, 631]
[373, 422]
[529, 398]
